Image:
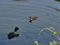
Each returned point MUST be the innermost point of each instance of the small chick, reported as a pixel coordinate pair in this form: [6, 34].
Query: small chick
[32, 18]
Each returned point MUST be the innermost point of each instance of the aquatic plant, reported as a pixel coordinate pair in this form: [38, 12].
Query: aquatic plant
[40, 44]
[58, 43]
[54, 33]
[53, 43]
[36, 42]
[51, 29]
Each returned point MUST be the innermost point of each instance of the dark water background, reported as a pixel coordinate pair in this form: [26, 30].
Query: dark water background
[16, 13]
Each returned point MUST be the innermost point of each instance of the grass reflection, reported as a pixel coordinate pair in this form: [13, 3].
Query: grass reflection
[57, 0]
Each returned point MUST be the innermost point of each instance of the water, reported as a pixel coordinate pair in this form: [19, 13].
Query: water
[16, 13]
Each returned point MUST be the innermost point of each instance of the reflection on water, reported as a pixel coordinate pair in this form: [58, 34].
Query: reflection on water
[57, 0]
[54, 8]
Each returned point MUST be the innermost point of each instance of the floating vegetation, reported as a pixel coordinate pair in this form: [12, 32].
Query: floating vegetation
[40, 44]
[54, 33]
[36, 42]
[51, 29]
[54, 8]
[57, 0]
[53, 43]
[58, 43]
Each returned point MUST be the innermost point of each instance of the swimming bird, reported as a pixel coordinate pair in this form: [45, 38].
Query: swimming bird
[32, 18]
[13, 34]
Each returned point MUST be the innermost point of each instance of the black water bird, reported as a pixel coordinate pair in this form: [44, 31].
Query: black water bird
[13, 34]
[32, 18]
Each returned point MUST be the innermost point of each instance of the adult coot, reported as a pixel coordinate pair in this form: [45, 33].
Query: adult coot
[13, 34]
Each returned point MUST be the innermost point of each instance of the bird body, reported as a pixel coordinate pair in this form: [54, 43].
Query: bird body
[32, 18]
[12, 35]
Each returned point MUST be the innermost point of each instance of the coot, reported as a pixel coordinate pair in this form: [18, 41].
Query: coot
[13, 34]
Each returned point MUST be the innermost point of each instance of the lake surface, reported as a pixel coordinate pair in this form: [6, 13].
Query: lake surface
[16, 13]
